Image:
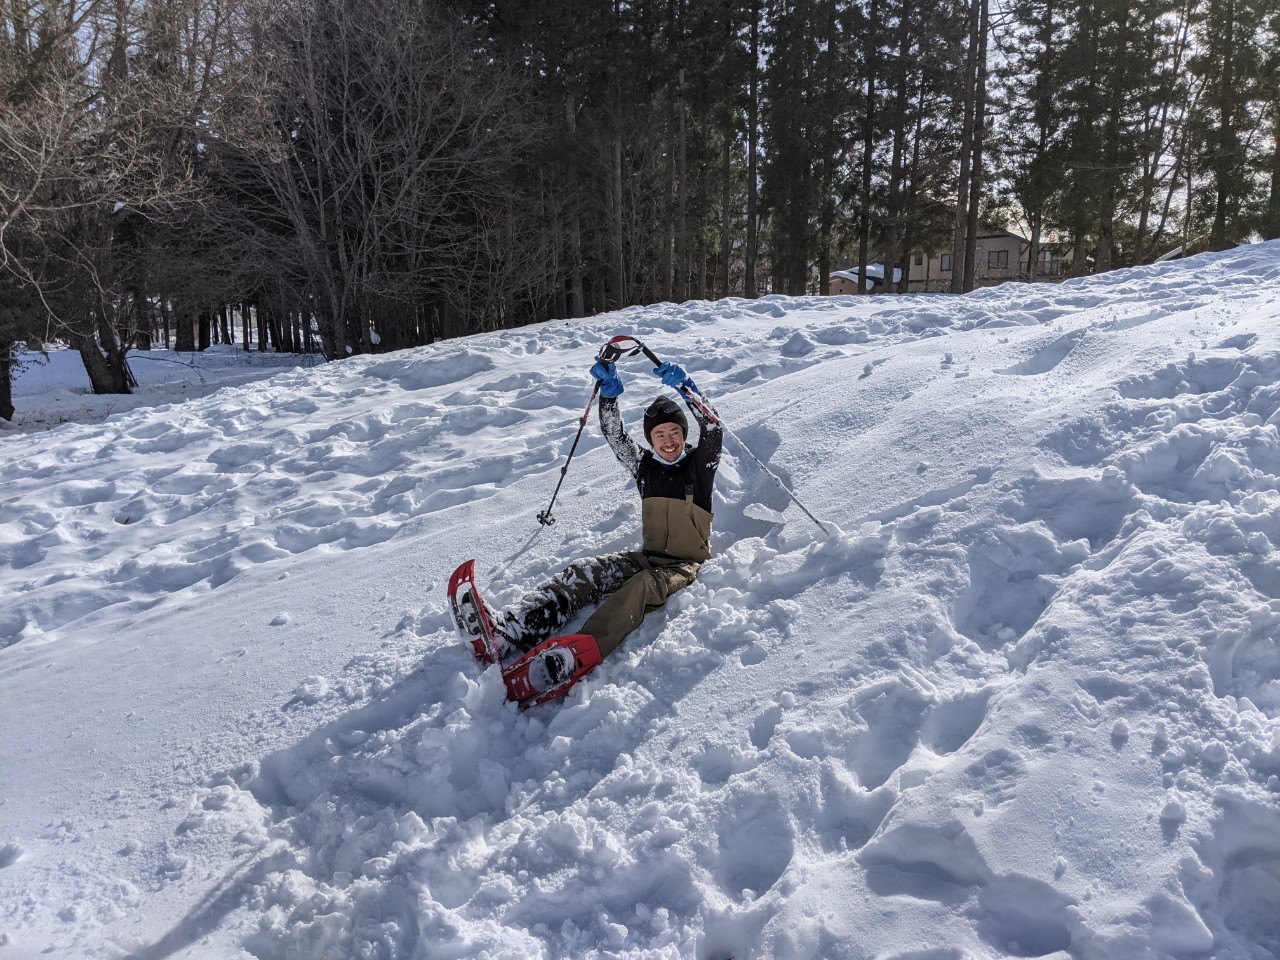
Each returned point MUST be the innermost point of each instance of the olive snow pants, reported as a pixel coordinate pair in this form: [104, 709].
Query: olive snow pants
[630, 584]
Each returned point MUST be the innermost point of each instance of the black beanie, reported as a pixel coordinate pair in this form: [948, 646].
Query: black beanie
[664, 410]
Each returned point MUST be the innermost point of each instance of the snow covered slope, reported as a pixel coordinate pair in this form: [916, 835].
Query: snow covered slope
[1025, 705]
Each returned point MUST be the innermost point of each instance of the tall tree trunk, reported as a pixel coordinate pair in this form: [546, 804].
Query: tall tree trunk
[105, 376]
[702, 253]
[979, 136]
[1228, 143]
[270, 328]
[668, 207]
[868, 144]
[114, 353]
[599, 276]
[6, 379]
[559, 302]
[726, 221]
[968, 94]
[577, 297]
[895, 215]
[92, 359]
[753, 124]
[1033, 247]
[684, 251]
[908, 234]
[1044, 120]
[1271, 223]
[184, 330]
[577, 303]
[1110, 193]
[826, 181]
[617, 291]
[284, 316]
[146, 326]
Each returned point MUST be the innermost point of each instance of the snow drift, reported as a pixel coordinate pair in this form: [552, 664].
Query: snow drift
[1025, 705]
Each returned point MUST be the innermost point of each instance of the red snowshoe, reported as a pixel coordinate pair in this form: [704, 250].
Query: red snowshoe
[551, 668]
[470, 614]
[545, 672]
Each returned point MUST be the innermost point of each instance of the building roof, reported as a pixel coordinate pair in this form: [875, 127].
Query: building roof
[875, 271]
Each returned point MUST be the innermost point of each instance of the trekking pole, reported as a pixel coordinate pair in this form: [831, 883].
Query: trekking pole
[693, 396]
[700, 401]
[545, 518]
[610, 352]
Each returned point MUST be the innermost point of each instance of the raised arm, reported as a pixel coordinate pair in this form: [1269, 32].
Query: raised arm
[624, 448]
[710, 436]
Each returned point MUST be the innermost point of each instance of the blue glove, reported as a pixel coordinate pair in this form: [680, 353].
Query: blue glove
[673, 375]
[607, 374]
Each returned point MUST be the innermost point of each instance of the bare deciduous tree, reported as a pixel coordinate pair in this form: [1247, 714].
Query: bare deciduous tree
[390, 176]
[83, 174]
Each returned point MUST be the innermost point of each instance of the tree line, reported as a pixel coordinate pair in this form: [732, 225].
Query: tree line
[358, 175]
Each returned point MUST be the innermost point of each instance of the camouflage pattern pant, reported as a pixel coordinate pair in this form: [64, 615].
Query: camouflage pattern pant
[629, 584]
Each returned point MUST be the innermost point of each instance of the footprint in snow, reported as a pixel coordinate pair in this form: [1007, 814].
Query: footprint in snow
[756, 843]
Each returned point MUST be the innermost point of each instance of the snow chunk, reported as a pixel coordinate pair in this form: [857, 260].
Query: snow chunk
[10, 854]
[1174, 811]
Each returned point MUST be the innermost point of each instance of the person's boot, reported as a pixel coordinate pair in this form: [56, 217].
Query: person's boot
[551, 669]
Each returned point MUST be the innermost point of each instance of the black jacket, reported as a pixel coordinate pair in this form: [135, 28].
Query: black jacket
[675, 498]
[695, 473]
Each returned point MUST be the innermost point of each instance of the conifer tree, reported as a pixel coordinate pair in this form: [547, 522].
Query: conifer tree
[1229, 119]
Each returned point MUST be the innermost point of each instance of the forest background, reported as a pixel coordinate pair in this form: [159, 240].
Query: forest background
[350, 176]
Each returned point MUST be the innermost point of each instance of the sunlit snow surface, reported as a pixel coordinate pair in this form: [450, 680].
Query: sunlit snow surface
[1024, 705]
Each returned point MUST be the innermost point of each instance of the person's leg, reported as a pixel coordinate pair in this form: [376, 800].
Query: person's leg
[549, 606]
[626, 607]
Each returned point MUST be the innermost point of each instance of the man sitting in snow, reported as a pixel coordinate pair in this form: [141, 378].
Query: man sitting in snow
[675, 481]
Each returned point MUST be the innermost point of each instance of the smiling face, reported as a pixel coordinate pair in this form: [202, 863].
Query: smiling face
[667, 440]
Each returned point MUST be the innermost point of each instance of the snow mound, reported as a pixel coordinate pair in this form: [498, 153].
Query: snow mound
[1028, 706]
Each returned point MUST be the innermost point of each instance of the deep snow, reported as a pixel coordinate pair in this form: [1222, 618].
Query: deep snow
[1024, 704]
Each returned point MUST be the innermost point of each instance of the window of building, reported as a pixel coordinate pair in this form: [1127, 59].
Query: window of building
[946, 261]
[997, 259]
[919, 261]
